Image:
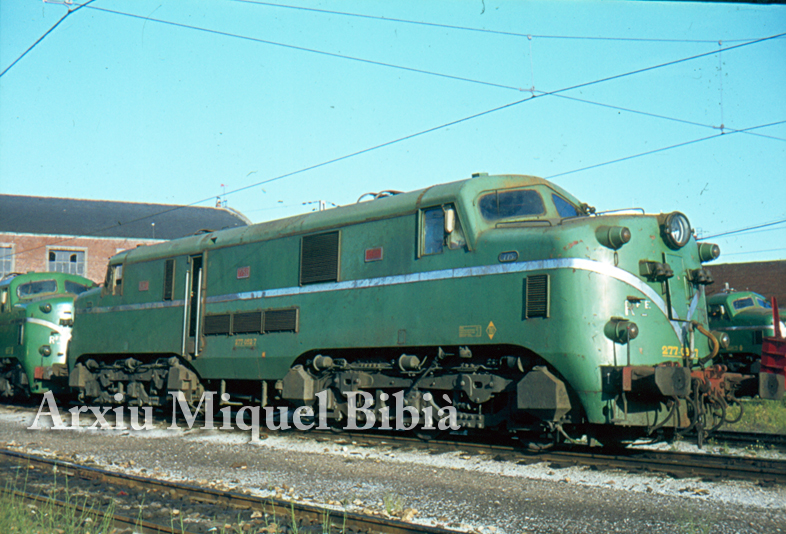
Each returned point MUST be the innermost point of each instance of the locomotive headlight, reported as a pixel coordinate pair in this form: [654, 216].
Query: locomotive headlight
[621, 330]
[722, 338]
[46, 307]
[708, 252]
[676, 230]
[613, 237]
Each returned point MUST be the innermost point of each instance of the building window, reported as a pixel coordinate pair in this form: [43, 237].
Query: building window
[67, 261]
[6, 260]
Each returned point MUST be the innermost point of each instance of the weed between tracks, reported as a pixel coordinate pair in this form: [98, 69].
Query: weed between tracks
[60, 513]
[760, 416]
[691, 522]
[68, 510]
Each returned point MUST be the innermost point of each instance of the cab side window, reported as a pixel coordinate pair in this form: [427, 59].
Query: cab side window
[113, 284]
[433, 230]
[564, 208]
[441, 227]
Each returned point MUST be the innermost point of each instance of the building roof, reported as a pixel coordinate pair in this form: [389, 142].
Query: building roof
[104, 218]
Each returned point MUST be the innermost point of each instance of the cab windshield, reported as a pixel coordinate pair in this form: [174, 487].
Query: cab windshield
[763, 303]
[33, 289]
[750, 302]
[511, 204]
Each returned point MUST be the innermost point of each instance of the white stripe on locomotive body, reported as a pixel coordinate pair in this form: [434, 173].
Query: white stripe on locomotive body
[740, 328]
[431, 276]
[65, 332]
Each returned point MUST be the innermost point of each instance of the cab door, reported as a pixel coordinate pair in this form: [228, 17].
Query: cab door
[194, 309]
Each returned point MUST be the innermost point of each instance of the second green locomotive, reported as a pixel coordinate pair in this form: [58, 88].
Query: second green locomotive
[747, 318]
[36, 316]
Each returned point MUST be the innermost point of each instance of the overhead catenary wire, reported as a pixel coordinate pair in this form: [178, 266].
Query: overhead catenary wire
[753, 252]
[50, 30]
[481, 30]
[663, 117]
[423, 71]
[471, 80]
[475, 81]
[429, 130]
[305, 49]
[459, 78]
[662, 149]
[741, 230]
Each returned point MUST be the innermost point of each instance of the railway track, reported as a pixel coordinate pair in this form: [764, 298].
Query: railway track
[233, 511]
[670, 463]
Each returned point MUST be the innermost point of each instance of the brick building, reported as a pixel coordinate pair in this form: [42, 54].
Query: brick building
[79, 236]
[767, 278]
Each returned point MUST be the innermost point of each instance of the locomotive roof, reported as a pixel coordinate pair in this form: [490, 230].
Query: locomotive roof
[381, 208]
[104, 218]
[21, 278]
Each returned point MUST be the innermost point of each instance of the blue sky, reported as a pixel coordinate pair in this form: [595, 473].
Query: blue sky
[165, 101]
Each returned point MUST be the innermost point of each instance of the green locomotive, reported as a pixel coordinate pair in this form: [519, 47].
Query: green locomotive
[501, 296]
[747, 318]
[36, 316]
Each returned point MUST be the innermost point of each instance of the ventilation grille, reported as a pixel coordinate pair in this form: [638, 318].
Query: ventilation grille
[169, 279]
[258, 322]
[319, 258]
[281, 320]
[217, 324]
[247, 323]
[536, 296]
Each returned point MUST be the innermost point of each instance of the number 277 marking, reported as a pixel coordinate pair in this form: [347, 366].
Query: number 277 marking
[678, 352]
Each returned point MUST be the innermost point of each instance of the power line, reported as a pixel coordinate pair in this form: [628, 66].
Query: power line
[663, 149]
[658, 116]
[753, 252]
[429, 130]
[423, 71]
[460, 78]
[662, 65]
[739, 231]
[310, 50]
[483, 30]
[43, 36]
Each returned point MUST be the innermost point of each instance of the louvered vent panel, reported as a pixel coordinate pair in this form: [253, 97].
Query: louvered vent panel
[247, 323]
[319, 258]
[169, 279]
[537, 296]
[217, 324]
[281, 320]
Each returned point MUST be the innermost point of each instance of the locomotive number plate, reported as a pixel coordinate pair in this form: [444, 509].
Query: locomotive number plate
[245, 343]
[678, 352]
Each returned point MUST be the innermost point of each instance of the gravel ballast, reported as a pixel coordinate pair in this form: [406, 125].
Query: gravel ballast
[456, 490]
